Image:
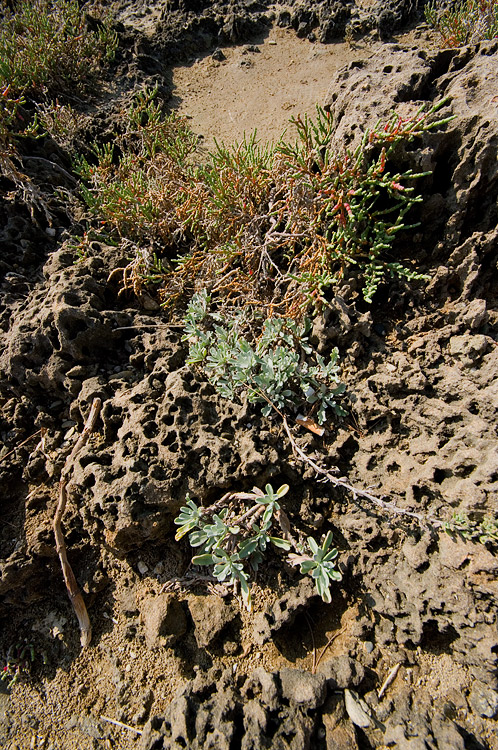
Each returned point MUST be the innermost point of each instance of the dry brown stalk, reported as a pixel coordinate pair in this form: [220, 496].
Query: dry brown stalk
[324, 649]
[21, 444]
[356, 491]
[69, 579]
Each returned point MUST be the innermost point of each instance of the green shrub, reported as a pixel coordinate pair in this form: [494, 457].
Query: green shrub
[46, 47]
[273, 227]
[138, 194]
[464, 22]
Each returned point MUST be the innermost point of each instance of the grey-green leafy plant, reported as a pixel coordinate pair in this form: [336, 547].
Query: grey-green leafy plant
[484, 531]
[320, 564]
[235, 538]
[280, 370]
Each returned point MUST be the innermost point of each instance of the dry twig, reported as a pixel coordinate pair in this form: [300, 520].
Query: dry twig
[2, 458]
[389, 679]
[69, 579]
[356, 491]
[324, 649]
[120, 724]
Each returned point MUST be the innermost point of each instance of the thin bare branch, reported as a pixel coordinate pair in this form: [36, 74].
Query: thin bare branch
[120, 724]
[389, 679]
[356, 491]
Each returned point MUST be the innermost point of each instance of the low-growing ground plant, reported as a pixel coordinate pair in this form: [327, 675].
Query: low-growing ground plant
[14, 127]
[279, 370]
[464, 21]
[136, 184]
[18, 663]
[274, 227]
[484, 530]
[234, 535]
[46, 48]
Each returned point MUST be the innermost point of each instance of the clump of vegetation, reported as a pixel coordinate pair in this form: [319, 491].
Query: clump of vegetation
[234, 534]
[14, 126]
[274, 227]
[463, 22]
[138, 194]
[46, 47]
[484, 530]
[280, 369]
[18, 663]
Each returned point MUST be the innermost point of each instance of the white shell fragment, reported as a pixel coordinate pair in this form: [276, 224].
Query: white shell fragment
[356, 709]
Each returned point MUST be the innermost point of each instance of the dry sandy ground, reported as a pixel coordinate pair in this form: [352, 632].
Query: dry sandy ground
[262, 90]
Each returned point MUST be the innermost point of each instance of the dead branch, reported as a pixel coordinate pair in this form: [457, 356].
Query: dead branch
[120, 724]
[324, 649]
[35, 434]
[356, 491]
[69, 579]
[389, 679]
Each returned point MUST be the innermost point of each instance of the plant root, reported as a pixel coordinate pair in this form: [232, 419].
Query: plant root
[72, 587]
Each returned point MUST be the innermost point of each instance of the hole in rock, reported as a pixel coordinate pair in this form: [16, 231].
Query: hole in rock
[465, 470]
[440, 475]
[170, 441]
[159, 472]
[89, 481]
[150, 429]
[103, 459]
[74, 327]
[72, 299]
[149, 451]
[437, 637]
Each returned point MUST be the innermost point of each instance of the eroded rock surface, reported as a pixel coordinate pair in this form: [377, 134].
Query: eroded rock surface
[421, 368]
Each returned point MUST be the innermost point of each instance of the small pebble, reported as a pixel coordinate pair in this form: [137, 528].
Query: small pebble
[369, 647]
[142, 567]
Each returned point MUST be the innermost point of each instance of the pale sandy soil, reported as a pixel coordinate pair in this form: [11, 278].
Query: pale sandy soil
[259, 90]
